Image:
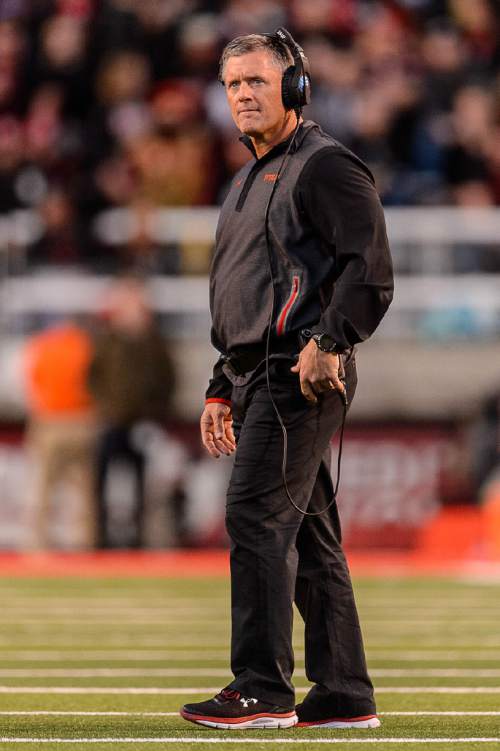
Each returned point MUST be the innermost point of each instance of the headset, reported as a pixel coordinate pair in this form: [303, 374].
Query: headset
[295, 93]
[296, 81]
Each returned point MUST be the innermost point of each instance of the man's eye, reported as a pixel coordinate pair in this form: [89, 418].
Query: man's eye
[257, 80]
[233, 85]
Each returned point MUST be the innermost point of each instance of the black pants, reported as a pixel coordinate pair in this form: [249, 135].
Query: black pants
[278, 555]
[115, 444]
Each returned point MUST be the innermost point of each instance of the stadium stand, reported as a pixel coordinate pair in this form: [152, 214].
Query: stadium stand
[116, 104]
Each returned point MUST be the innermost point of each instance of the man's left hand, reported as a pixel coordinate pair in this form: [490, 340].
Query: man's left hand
[318, 372]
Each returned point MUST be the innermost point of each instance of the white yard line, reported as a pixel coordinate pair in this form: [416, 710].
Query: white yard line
[225, 673]
[199, 624]
[127, 655]
[487, 643]
[50, 713]
[114, 639]
[53, 713]
[433, 673]
[199, 619]
[438, 714]
[303, 740]
[122, 655]
[183, 690]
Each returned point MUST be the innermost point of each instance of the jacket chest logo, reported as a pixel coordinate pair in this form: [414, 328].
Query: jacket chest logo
[270, 177]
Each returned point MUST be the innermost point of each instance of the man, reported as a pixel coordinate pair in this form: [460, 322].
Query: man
[310, 246]
[62, 431]
[131, 379]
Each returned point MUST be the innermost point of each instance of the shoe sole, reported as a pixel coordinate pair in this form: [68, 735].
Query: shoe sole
[337, 722]
[242, 723]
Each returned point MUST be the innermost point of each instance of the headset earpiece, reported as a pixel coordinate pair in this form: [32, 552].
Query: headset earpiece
[296, 81]
[286, 88]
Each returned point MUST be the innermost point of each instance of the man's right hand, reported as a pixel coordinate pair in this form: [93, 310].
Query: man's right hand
[216, 425]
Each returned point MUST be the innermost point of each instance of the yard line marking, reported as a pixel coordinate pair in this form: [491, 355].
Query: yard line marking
[172, 641]
[225, 672]
[126, 655]
[248, 740]
[113, 672]
[43, 713]
[433, 673]
[183, 690]
[144, 618]
[122, 655]
[114, 639]
[54, 713]
[437, 690]
[107, 690]
[438, 714]
[217, 623]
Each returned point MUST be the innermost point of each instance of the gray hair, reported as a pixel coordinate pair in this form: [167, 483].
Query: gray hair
[251, 43]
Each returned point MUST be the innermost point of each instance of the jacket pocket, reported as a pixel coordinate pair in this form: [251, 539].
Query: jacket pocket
[286, 309]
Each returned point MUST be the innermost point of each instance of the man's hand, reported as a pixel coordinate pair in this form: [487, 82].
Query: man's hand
[216, 425]
[318, 372]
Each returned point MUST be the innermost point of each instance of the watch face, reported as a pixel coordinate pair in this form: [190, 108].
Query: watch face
[326, 343]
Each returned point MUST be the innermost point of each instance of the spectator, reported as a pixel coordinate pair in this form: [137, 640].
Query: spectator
[91, 102]
[61, 430]
[59, 242]
[131, 379]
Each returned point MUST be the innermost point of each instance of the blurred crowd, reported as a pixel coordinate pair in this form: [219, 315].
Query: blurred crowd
[98, 395]
[110, 104]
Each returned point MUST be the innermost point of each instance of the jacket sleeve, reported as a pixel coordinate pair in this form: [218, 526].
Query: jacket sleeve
[337, 194]
[219, 387]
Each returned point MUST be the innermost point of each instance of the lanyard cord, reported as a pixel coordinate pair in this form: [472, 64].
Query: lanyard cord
[268, 342]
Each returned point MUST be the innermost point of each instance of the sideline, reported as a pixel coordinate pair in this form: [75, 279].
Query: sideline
[210, 563]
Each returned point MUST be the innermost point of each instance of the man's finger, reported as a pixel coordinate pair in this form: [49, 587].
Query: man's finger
[230, 433]
[307, 390]
[208, 442]
[340, 388]
[336, 383]
[220, 439]
[224, 445]
[326, 384]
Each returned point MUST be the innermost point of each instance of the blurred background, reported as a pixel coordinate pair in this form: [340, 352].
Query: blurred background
[116, 149]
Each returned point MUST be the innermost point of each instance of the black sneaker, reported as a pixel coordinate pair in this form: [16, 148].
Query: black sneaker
[231, 710]
[308, 718]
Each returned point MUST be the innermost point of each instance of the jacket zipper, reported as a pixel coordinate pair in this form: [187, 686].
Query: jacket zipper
[283, 316]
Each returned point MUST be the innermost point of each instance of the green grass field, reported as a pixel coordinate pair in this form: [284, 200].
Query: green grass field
[108, 663]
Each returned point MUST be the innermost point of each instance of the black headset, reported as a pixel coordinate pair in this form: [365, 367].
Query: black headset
[296, 81]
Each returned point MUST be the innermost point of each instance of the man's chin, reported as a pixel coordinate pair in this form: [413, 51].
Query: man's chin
[250, 131]
[249, 126]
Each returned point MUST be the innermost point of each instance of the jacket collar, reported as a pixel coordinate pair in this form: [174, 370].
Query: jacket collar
[281, 147]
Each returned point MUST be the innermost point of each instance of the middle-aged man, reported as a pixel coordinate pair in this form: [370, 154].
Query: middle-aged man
[302, 234]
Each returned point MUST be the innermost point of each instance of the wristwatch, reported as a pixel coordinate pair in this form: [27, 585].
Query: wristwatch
[325, 343]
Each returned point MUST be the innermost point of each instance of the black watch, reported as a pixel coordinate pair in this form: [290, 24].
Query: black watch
[325, 343]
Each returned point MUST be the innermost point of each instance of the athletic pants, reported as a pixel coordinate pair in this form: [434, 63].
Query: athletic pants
[278, 555]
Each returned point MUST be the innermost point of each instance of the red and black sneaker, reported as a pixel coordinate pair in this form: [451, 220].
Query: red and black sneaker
[231, 710]
[308, 718]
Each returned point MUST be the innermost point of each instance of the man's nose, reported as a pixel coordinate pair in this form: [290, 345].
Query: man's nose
[244, 91]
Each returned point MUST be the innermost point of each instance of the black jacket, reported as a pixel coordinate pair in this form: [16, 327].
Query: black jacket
[331, 262]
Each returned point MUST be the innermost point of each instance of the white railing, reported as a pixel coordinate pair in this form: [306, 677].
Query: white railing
[438, 256]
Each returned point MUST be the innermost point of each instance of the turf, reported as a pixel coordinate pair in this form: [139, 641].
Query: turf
[128, 651]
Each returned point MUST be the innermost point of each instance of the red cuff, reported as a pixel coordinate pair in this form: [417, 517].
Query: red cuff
[219, 401]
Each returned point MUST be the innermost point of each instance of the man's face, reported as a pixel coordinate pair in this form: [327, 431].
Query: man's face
[253, 88]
